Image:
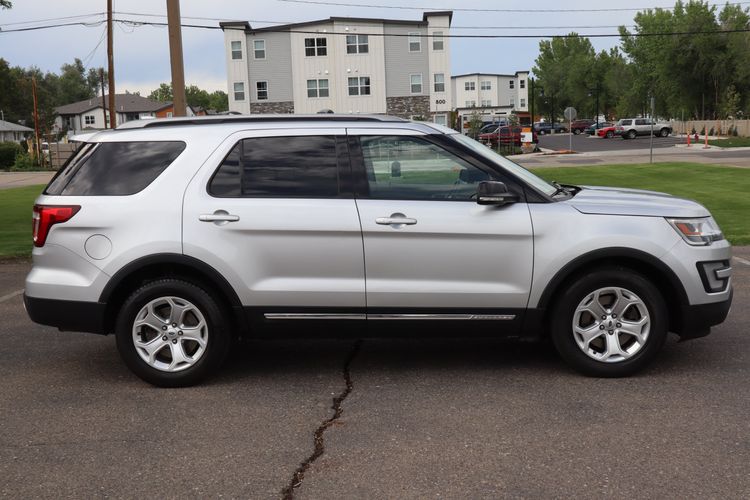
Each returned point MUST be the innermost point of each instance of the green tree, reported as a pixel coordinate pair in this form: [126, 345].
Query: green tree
[73, 84]
[5, 4]
[194, 96]
[218, 100]
[163, 93]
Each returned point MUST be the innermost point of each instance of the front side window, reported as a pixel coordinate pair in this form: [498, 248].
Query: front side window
[437, 40]
[262, 90]
[469, 86]
[359, 85]
[279, 167]
[317, 88]
[236, 50]
[439, 82]
[416, 83]
[115, 168]
[415, 42]
[259, 49]
[316, 47]
[486, 85]
[411, 168]
[357, 44]
[239, 91]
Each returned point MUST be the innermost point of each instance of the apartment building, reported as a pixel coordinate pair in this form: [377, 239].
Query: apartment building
[342, 64]
[493, 96]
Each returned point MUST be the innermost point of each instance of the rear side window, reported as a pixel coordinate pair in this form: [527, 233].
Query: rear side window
[279, 167]
[114, 168]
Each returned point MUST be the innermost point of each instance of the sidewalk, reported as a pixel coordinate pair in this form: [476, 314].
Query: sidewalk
[18, 179]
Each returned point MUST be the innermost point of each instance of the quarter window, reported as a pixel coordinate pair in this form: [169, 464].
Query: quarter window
[469, 85]
[236, 50]
[317, 88]
[437, 40]
[359, 85]
[239, 91]
[416, 83]
[316, 47]
[357, 44]
[262, 90]
[439, 82]
[279, 167]
[410, 168]
[415, 42]
[259, 47]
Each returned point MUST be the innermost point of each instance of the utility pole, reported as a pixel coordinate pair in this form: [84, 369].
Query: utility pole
[104, 101]
[36, 118]
[111, 68]
[175, 56]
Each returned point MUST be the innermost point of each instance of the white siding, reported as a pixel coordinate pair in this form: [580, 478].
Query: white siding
[439, 62]
[237, 69]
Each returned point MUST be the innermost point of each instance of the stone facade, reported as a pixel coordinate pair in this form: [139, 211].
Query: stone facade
[281, 107]
[406, 107]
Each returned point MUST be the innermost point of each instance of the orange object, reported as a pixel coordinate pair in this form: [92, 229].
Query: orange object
[688, 138]
[705, 145]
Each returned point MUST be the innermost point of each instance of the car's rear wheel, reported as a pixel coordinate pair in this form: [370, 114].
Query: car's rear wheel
[172, 333]
[631, 134]
[610, 134]
[576, 131]
[611, 322]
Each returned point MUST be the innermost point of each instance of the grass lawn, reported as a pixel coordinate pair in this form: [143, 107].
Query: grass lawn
[734, 142]
[15, 220]
[725, 191]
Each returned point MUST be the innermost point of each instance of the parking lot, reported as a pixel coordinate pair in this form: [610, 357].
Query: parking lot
[425, 418]
[584, 143]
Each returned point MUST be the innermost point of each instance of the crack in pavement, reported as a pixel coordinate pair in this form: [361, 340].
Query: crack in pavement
[299, 474]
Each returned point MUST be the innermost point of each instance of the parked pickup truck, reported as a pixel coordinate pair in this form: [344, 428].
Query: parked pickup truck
[629, 128]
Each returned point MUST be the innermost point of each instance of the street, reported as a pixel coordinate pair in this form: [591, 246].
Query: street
[585, 143]
[425, 418]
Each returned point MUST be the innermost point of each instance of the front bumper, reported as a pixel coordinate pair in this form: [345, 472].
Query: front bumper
[698, 319]
[67, 315]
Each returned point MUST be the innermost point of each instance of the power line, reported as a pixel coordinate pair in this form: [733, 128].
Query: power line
[15, 23]
[466, 9]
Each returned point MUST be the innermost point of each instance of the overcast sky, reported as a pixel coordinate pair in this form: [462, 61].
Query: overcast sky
[142, 53]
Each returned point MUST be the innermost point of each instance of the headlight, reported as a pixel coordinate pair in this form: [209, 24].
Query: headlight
[697, 232]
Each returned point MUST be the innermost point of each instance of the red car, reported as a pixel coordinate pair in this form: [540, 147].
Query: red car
[608, 132]
[505, 135]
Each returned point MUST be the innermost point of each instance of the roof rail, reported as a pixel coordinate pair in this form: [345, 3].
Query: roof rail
[212, 120]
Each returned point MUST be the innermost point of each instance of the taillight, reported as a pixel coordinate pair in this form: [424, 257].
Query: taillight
[46, 216]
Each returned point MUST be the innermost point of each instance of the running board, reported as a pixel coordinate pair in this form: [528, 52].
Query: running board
[357, 316]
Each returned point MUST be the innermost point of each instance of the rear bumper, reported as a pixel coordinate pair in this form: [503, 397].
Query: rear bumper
[698, 319]
[67, 315]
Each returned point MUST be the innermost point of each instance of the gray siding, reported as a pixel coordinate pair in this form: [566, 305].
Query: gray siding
[400, 63]
[276, 68]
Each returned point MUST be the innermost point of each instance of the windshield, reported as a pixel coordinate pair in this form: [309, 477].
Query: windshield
[506, 164]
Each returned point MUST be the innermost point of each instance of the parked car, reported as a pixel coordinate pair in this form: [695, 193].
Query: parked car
[580, 126]
[596, 126]
[543, 128]
[607, 132]
[178, 235]
[492, 126]
[629, 128]
[505, 135]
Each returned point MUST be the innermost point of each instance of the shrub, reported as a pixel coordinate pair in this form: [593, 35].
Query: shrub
[23, 161]
[8, 153]
[692, 132]
[711, 132]
[703, 131]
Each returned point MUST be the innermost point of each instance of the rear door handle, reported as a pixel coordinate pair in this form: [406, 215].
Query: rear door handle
[397, 219]
[219, 217]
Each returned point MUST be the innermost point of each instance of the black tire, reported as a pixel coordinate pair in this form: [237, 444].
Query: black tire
[562, 317]
[217, 342]
[664, 132]
[610, 134]
[576, 131]
[542, 132]
[631, 134]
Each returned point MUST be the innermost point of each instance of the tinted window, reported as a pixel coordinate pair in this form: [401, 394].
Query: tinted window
[282, 167]
[410, 168]
[115, 168]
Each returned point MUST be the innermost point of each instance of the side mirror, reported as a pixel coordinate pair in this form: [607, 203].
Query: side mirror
[494, 193]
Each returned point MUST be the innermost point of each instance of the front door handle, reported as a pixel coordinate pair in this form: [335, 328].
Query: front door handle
[219, 217]
[396, 220]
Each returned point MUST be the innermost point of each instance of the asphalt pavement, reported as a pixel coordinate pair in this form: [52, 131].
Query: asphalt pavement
[585, 143]
[424, 418]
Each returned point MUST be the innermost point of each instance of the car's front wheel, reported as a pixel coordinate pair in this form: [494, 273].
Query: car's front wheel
[611, 322]
[172, 333]
[664, 132]
[610, 134]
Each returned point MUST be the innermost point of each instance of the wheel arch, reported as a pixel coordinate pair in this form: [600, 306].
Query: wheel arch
[156, 266]
[658, 272]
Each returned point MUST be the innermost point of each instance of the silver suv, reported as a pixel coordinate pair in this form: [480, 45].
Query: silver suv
[180, 235]
[629, 128]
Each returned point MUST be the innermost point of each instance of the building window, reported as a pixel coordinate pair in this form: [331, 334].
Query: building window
[469, 85]
[522, 84]
[317, 88]
[486, 103]
[441, 120]
[262, 88]
[357, 44]
[239, 91]
[359, 85]
[471, 104]
[259, 47]
[523, 102]
[485, 85]
[169, 114]
[415, 42]
[437, 40]
[316, 47]
[512, 102]
[439, 82]
[89, 119]
[511, 83]
[237, 50]
[416, 83]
